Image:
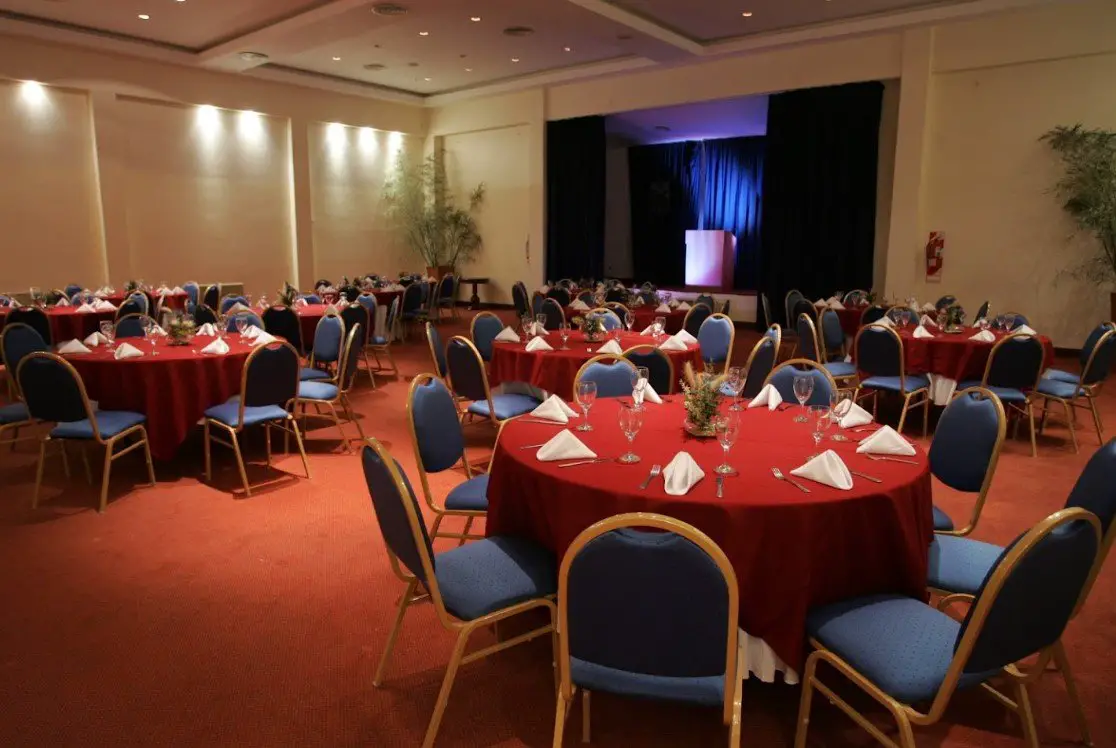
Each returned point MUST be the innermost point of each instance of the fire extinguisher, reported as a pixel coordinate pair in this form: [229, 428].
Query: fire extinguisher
[935, 248]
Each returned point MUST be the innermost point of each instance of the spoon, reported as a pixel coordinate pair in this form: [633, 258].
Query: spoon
[779, 474]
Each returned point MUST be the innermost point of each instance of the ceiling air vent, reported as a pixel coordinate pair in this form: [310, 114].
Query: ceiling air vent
[253, 56]
[389, 9]
[518, 31]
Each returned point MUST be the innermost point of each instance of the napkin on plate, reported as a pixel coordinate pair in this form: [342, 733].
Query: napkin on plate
[926, 320]
[884, 321]
[1024, 330]
[649, 394]
[127, 350]
[63, 302]
[662, 309]
[264, 338]
[672, 344]
[101, 305]
[579, 305]
[218, 346]
[73, 346]
[922, 332]
[96, 339]
[681, 474]
[564, 446]
[539, 344]
[507, 335]
[86, 309]
[611, 347]
[828, 469]
[886, 441]
[686, 337]
[206, 329]
[928, 307]
[984, 336]
[768, 396]
[850, 415]
[684, 306]
[554, 409]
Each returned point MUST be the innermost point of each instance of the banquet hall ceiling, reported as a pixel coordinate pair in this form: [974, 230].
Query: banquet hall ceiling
[418, 48]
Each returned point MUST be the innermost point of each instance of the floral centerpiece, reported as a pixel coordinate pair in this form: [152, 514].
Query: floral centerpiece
[591, 325]
[954, 318]
[180, 329]
[701, 399]
[288, 294]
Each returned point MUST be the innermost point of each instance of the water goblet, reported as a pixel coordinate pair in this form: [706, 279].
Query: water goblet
[528, 326]
[823, 418]
[803, 389]
[727, 429]
[616, 332]
[109, 332]
[564, 332]
[631, 419]
[629, 320]
[241, 325]
[586, 396]
[150, 334]
[660, 327]
[640, 377]
[540, 324]
[735, 382]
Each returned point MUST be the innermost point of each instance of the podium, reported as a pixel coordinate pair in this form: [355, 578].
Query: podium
[710, 258]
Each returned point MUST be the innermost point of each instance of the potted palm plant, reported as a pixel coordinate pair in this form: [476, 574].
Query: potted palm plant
[1087, 189]
[425, 211]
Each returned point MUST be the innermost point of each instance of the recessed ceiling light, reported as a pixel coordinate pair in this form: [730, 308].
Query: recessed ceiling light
[468, 70]
[424, 33]
[747, 14]
[253, 56]
[337, 59]
[515, 59]
[474, 19]
[428, 79]
[144, 17]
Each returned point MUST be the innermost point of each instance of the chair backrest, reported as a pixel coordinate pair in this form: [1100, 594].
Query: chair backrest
[663, 602]
[350, 361]
[131, 325]
[1099, 363]
[945, 301]
[586, 297]
[716, 337]
[212, 296]
[536, 303]
[437, 350]
[613, 375]
[398, 514]
[782, 378]
[328, 337]
[250, 319]
[230, 301]
[203, 314]
[832, 337]
[982, 312]
[72, 289]
[282, 322]
[649, 297]
[765, 305]
[447, 287]
[660, 367]
[879, 351]
[519, 299]
[193, 291]
[616, 294]
[855, 296]
[807, 337]
[356, 314]
[706, 299]
[619, 309]
[695, 318]
[552, 308]
[311, 298]
[369, 302]
[1095, 491]
[789, 302]
[413, 298]
[134, 304]
[17, 340]
[760, 362]
[435, 426]
[466, 369]
[483, 330]
[34, 318]
[1092, 340]
[966, 445]
[871, 314]
[52, 389]
[270, 376]
[902, 315]
[1015, 361]
[610, 319]
[392, 316]
[561, 295]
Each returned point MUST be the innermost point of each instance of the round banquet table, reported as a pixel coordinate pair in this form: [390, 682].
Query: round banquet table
[644, 317]
[850, 318]
[173, 389]
[173, 301]
[311, 314]
[790, 550]
[555, 371]
[66, 323]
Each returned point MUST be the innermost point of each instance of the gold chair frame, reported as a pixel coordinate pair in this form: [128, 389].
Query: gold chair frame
[472, 419]
[291, 426]
[111, 455]
[732, 337]
[340, 346]
[1070, 405]
[778, 342]
[567, 691]
[990, 471]
[1029, 410]
[385, 348]
[645, 348]
[603, 357]
[414, 594]
[907, 396]
[561, 312]
[906, 715]
[342, 397]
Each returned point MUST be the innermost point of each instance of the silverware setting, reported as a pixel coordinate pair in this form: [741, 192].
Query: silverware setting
[843, 438]
[544, 423]
[656, 471]
[865, 477]
[889, 458]
[779, 474]
[532, 446]
[585, 462]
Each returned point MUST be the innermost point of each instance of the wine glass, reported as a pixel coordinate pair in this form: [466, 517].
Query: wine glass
[629, 320]
[727, 429]
[540, 324]
[839, 408]
[660, 327]
[616, 332]
[149, 333]
[528, 326]
[803, 389]
[241, 325]
[36, 295]
[564, 332]
[586, 396]
[631, 419]
[735, 381]
[109, 332]
[640, 376]
[823, 418]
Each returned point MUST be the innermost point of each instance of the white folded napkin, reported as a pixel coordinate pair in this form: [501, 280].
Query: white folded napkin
[926, 320]
[73, 346]
[554, 409]
[649, 330]
[579, 305]
[178, 290]
[238, 307]
[884, 321]
[544, 290]
[768, 396]
[672, 344]
[850, 415]
[928, 307]
[301, 302]
[922, 332]
[86, 308]
[264, 338]
[539, 344]
[252, 332]
[127, 350]
[820, 302]
[537, 329]
[206, 329]
[163, 291]
[686, 337]
[96, 339]
[103, 306]
[835, 304]
[828, 469]
[218, 347]
[564, 446]
[507, 335]
[157, 330]
[1024, 330]
[685, 305]
[662, 309]
[100, 294]
[681, 474]
[649, 394]
[984, 336]
[63, 302]
[611, 347]
[673, 304]
[886, 441]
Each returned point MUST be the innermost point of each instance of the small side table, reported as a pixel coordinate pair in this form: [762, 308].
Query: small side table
[474, 300]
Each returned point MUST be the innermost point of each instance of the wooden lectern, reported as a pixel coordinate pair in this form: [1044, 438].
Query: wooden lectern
[710, 258]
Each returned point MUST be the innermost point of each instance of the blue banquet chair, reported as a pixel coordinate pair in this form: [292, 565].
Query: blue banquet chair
[560, 295]
[54, 393]
[437, 349]
[716, 337]
[136, 303]
[790, 303]
[439, 445]
[470, 383]
[1083, 358]
[831, 336]
[660, 367]
[282, 322]
[34, 318]
[587, 297]
[537, 299]
[1086, 388]
[212, 296]
[901, 651]
[610, 319]
[1012, 372]
[311, 298]
[966, 449]
[483, 330]
[131, 326]
[447, 295]
[552, 310]
[761, 361]
[268, 387]
[879, 355]
[707, 300]
[332, 395]
[648, 615]
[205, 315]
[471, 587]
[17, 340]
[520, 299]
[613, 375]
[381, 344]
[357, 314]
[329, 337]
[193, 292]
[809, 346]
[782, 379]
[695, 318]
[413, 310]
[72, 289]
[251, 319]
[230, 301]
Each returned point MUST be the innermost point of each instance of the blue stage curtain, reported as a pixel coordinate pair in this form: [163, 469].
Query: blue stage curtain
[575, 198]
[732, 197]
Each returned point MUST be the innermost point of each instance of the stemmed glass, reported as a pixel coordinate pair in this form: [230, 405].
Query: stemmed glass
[528, 326]
[823, 418]
[639, 385]
[586, 396]
[727, 428]
[36, 295]
[241, 325]
[150, 334]
[616, 332]
[631, 419]
[564, 332]
[735, 382]
[106, 331]
[803, 389]
[660, 327]
[540, 324]
[629, 320]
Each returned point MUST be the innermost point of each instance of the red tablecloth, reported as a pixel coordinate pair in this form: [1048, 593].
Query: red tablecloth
[850, 319]
[311, 314]
[66, 323]
[791, 551]
[644, 316]
[953, 355]
[173, 301]
[172, 389]
[555, 371]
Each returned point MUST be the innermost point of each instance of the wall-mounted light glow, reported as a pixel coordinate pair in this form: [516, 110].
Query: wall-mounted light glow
[249, 124]
[33, 92]
[208, 117]
[394, 149]
[367, 141]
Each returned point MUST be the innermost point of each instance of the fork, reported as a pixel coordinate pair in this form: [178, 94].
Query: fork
[865, 477]
[532, 446]
[656, 471]
[889, 458]
[779, 474]
[584, 462]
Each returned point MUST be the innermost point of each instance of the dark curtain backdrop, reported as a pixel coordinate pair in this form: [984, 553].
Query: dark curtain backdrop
[712, 184]
[819, 191]
[575, 198]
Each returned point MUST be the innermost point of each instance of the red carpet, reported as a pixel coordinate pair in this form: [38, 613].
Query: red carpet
[187, 616]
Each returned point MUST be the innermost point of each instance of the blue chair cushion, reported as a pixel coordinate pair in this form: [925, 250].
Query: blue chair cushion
[478, 578]
[317, 390]
[1061, 376]
[14, 413]
[942, 521]
[1056, 388]
[1006, 394]
[109, 424]
[307, 374]
[472, 495]
[840, 369]
[915, 382]
[902, 645]
[505, 406]
[228, 413]
[708, 690]
[960, 564]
